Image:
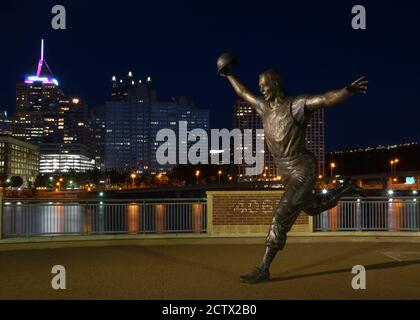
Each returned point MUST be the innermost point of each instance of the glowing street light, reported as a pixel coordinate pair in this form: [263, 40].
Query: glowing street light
[197, 174]
[133, 176]
[395, 166]
[332, 167]
[219, 174]
[391, 163]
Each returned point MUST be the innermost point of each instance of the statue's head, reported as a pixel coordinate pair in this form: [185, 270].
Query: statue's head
[271, 84]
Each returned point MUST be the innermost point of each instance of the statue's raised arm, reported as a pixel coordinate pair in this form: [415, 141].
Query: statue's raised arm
[334, 97]
[224, 65]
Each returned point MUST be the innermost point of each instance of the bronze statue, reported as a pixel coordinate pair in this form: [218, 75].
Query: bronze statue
[285, 119]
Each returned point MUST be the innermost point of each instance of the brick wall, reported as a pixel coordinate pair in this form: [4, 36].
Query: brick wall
[247, 212]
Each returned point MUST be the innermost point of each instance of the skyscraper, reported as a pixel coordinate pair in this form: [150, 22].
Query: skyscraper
[37, 95]
[133, 119]
[315, 139]
[65, 143]
[167, 115]
[245, 117]
[58, 124]
[97, 135]
[127, 122]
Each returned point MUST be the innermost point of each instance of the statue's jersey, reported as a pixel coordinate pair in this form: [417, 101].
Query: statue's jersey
[285, 127]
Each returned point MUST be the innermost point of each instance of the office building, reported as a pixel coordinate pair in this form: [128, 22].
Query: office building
[97, 135]
[133, 119]
[315, 139]
[18, 158]
[5, 123]
[56, 123]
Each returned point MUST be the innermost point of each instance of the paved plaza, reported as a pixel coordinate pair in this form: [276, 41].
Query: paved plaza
[304, 270]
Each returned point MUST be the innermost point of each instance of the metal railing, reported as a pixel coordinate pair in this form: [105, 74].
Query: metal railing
[371, 214]
[74, 217]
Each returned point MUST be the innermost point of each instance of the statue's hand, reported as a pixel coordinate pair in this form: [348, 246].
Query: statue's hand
[225, 72]
[225, 63]
[358, 86]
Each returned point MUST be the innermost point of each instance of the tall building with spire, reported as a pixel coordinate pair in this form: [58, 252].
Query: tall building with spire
[58, 124]
[37, 96]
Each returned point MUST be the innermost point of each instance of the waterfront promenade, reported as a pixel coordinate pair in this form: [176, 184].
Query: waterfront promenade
[309, 268]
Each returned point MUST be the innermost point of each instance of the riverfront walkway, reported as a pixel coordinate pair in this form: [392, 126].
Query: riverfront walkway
[304, 270]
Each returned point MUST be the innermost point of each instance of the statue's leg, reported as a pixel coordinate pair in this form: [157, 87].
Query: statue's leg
[298, 189]
[294, 199]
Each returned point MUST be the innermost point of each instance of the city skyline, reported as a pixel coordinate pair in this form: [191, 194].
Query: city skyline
[86, 58]
[28, 78]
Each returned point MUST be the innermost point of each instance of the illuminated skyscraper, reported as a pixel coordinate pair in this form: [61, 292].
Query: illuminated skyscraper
[167, 115]
[37, 95]
[133, 119]
[97, 135]
[315, 139]
[127, 122]
[46, 117]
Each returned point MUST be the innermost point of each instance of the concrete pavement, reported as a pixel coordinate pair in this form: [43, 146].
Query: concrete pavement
[305, 270]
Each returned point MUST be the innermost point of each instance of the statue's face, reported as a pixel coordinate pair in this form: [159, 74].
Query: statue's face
[268, 88]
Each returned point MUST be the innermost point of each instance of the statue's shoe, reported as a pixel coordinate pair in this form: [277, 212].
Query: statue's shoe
[256, 276]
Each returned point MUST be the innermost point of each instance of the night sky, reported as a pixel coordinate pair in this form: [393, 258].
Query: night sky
[177, 44]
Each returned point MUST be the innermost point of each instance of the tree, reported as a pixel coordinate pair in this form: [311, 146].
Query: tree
[16, 182]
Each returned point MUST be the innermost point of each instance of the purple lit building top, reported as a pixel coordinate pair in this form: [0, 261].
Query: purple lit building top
[43, 73]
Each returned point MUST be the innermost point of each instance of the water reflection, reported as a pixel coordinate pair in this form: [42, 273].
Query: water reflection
[58, 218]
[69, 218]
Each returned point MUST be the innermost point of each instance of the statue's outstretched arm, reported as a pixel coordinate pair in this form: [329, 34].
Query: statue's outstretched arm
[246, 94]
[335, 97]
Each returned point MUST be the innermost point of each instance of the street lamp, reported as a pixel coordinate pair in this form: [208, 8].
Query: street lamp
[391, 163]
[332, 167]
[197, 174]
[219, 173]
[395, 166]
[133, 176]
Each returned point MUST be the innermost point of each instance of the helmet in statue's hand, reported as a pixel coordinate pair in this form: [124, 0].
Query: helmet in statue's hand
[225, 63]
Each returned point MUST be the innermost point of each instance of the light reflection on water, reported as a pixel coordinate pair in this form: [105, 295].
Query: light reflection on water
[58, 218]
[64, 218]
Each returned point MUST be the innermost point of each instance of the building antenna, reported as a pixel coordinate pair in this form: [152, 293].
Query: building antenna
[41, 60]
